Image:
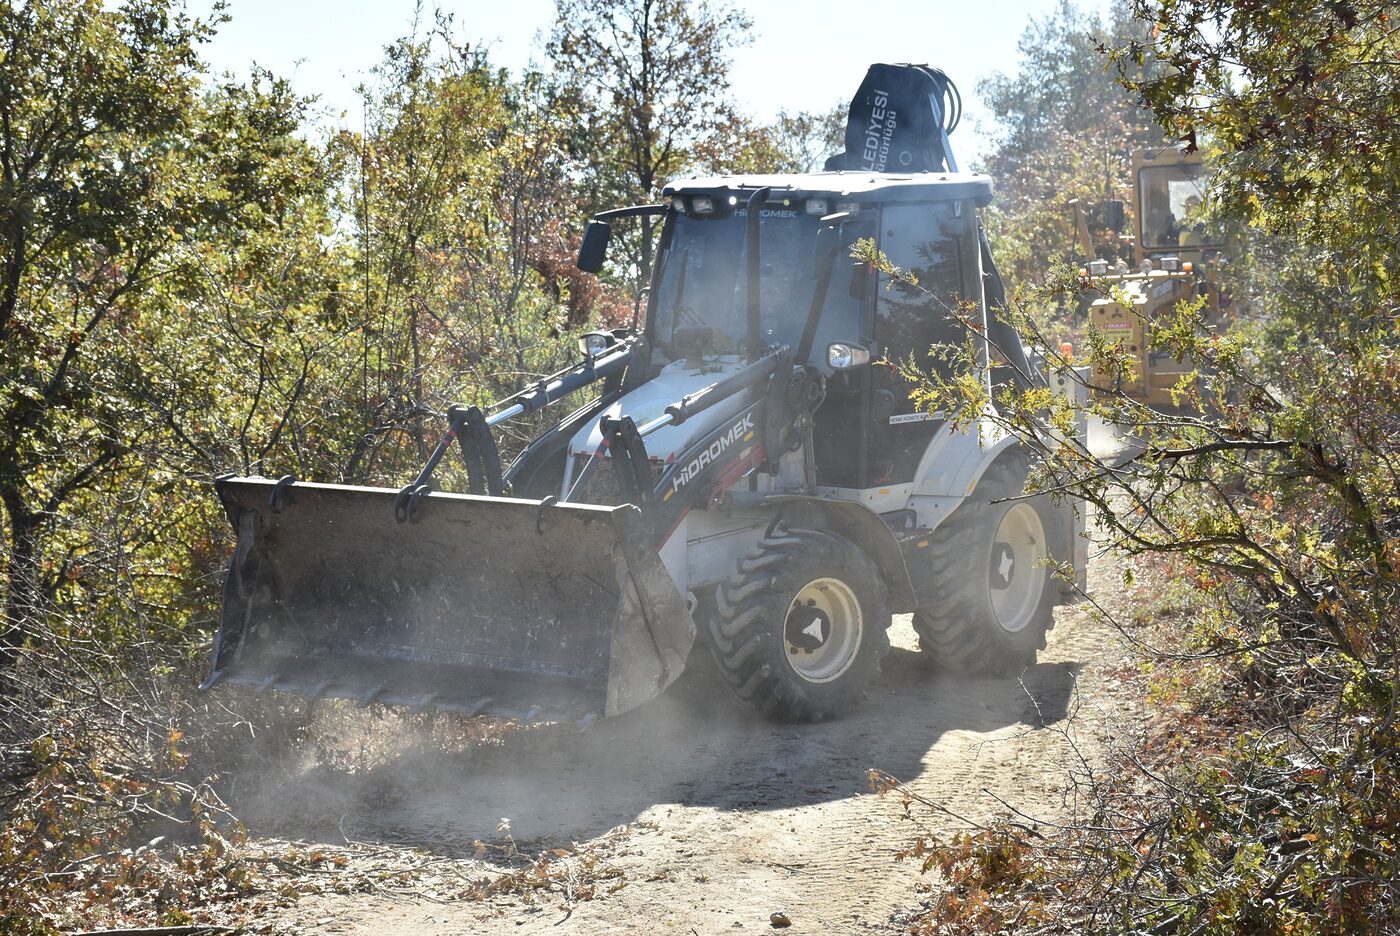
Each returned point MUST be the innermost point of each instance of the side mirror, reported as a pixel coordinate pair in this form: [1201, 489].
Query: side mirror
[844, 355]
[594, 249]
[595, 344]
[1113, 216]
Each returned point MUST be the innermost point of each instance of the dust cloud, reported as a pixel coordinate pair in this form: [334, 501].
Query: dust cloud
[438, 780]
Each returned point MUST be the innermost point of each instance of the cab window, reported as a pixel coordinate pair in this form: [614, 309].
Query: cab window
[1171, 198]
[919, 324]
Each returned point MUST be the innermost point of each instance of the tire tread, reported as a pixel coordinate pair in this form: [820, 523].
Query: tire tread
[743, 627]
[952, 626]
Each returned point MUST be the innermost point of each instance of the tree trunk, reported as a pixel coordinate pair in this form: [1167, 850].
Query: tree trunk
[24, 596]
[647, 178]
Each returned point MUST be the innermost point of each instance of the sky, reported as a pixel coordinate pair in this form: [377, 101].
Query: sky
[803, 54]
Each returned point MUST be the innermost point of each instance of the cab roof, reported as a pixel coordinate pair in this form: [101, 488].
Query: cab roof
[852, 186]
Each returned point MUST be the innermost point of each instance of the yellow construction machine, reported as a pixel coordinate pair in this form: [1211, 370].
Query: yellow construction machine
[1174, 258]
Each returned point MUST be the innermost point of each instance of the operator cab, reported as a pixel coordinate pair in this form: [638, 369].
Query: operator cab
[1171, 188]
[867, 433]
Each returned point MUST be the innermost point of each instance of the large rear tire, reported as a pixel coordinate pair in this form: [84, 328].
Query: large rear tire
[992, 596]
[801, 627]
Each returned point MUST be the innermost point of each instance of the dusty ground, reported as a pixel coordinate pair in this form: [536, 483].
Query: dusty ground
[728, 818]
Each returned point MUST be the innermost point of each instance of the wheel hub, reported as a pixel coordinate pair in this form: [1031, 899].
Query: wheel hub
[1003, 565]
[808, 627]
[1016, 570]
[823, 629]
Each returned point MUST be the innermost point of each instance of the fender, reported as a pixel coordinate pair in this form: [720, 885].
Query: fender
[976, 464]
[945, 480]
[860, 525]
[955, 461]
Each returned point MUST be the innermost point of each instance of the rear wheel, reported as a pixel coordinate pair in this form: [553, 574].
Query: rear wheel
[992, 593]
[800, 629]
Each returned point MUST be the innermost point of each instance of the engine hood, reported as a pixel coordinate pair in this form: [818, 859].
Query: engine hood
[650, 400]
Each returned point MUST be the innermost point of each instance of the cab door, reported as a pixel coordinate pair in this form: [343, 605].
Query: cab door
[920, 326]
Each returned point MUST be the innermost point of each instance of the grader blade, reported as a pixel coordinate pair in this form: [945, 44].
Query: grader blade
[483, 605]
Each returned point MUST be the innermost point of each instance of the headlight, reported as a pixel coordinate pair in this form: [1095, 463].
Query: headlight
[1171, 264]
[702, 205]
[817, 206]
[595, 343]
[843, 356]
[1098, 267]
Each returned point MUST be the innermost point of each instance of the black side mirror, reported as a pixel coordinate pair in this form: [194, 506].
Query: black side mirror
[1113, 217]
[594, 249]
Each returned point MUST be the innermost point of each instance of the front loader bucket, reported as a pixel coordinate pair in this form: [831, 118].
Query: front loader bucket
[492, 605]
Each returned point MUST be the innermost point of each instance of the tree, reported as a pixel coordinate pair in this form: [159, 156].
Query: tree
[651, 77]
[1063, 128]
[452, 202]
[415, 185]
[1274, 487]
[799, 142]
[107, 165]
[221, 359]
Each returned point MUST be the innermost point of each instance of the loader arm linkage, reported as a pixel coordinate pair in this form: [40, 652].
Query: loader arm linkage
[471, 427]
[481, 603]
[762, 431]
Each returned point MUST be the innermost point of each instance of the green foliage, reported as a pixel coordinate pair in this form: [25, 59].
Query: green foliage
[798, 142]
[652, 76]
[1063, 129]
[451, 203]
[192, 285]
[650, 79]
[1271, 484]
[112, 162]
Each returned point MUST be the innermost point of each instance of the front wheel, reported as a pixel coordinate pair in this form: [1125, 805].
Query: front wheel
[992, 594]
[800, 629]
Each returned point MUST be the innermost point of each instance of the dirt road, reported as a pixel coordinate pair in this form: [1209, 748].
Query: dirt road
[729, 818]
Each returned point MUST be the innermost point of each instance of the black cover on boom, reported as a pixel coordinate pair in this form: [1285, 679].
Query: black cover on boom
[899, 120]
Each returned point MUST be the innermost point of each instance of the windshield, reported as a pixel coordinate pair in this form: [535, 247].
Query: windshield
[703, 281]
[1171, 198]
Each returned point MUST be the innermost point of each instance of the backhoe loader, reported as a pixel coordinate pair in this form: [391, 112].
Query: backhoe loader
[747, 476]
